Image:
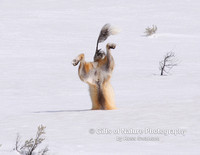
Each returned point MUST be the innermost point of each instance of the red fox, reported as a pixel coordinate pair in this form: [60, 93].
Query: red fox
[97, 74]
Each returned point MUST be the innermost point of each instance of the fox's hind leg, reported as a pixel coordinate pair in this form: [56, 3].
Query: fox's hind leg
[94, 97]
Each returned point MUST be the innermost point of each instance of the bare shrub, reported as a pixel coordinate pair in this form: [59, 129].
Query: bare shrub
[150, 30]
[30, 145]
[43, 151]
[167, 63]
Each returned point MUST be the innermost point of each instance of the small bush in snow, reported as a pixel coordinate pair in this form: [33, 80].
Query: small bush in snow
[29, 146]
[167, 63]
[150, 30]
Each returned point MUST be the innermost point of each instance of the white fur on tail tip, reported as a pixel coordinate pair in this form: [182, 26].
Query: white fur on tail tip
[114, 30]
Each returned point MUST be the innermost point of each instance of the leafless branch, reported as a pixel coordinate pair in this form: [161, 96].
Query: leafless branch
[167, 63]
[17, 143]
[44, 151]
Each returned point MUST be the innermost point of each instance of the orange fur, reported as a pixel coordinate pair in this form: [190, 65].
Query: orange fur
[109, 96]
[94, 97]
[91, 73]
[88, 67]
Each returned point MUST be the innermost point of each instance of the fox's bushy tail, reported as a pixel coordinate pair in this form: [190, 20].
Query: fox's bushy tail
[106, 31]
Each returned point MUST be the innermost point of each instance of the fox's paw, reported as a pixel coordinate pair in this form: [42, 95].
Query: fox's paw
[111, 46]
[75, 62]
[78, 59]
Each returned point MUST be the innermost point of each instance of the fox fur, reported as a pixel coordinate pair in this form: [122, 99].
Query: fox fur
[97, 75]
[106, 31]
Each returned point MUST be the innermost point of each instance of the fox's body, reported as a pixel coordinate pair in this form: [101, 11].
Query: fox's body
[97, 74]
[102, 100]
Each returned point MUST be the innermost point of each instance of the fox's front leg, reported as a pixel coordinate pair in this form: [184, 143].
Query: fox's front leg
[78, 59]
[110, 61]
[85, 70]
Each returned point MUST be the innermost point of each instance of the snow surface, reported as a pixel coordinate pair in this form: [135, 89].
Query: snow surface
[38, 84]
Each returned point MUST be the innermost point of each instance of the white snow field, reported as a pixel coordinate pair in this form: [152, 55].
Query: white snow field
[39, 85]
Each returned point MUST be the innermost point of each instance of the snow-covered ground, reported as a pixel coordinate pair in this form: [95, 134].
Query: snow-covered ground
[38, 84]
